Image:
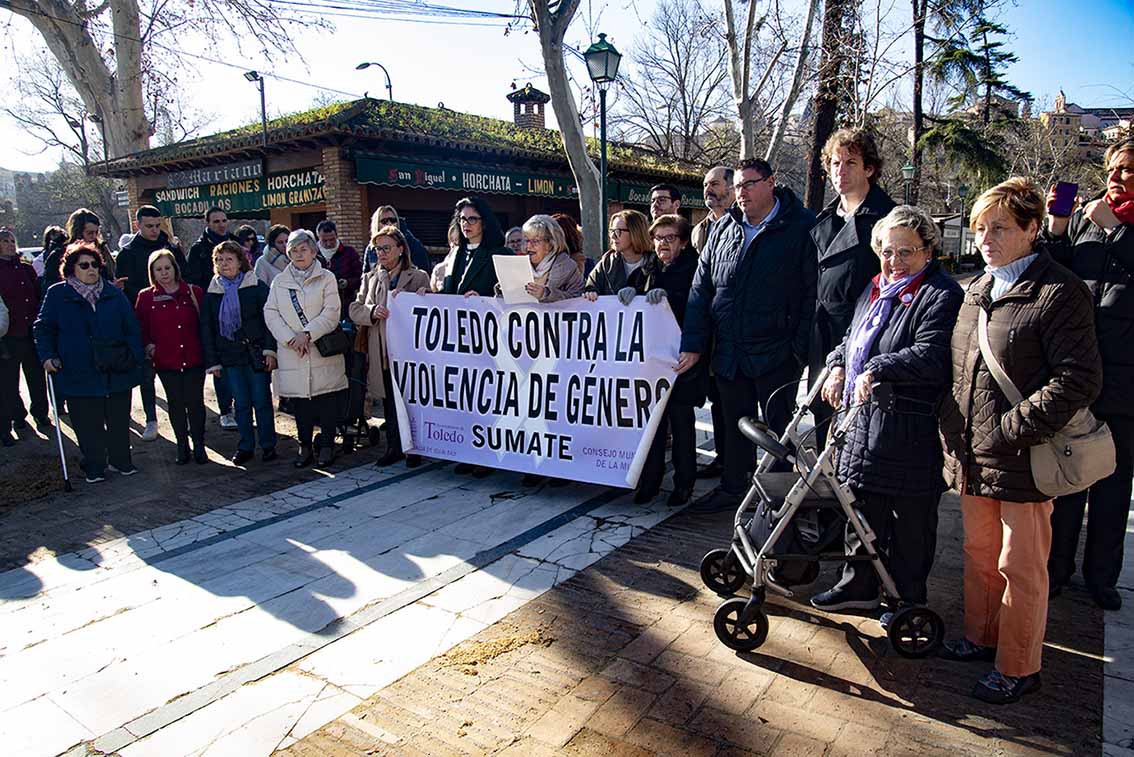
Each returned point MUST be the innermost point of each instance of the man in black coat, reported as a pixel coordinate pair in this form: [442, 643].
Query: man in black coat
[199, 271]
[132, 269]
[753, 297]
[1097, 244]
[842, 246]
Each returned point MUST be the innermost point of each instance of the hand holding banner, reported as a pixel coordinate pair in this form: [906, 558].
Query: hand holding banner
[572, 389]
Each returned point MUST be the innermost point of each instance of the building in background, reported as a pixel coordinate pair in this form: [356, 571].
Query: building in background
[342, 161]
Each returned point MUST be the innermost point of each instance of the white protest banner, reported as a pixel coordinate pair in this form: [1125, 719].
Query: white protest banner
[572, 389]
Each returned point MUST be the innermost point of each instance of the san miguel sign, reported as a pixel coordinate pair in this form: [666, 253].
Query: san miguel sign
[245, 195]
[460, 178]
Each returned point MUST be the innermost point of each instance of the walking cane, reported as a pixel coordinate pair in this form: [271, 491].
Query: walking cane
[58, 432]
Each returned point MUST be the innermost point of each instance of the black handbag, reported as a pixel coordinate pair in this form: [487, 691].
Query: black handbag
[335, 343]
[112, 355]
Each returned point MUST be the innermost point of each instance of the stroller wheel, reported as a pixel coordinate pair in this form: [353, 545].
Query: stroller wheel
[721, 572]
[743, 637]
[916, 632]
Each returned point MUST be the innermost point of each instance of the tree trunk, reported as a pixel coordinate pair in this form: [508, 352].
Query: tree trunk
[115, 96]
[920, 8]
[739, 68]
[796, 83]
[552, 26]
[826, 101]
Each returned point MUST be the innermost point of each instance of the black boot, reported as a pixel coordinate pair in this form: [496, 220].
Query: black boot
[182, 452]
[200, 454]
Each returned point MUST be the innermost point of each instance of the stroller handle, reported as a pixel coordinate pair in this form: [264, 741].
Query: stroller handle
[759, 434]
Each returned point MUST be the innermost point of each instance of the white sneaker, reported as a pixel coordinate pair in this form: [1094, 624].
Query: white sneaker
[150, 434]
[228, 421]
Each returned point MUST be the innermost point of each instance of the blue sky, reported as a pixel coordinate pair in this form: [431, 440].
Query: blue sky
[470, 68]
[1088, 51]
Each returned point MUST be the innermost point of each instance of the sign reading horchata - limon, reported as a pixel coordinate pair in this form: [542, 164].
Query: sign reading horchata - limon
[196, 177]
[573, 389]
[473, 179]
[283, 190]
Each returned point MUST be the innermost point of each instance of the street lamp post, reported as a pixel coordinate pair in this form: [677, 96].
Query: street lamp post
[389, 84]
[908, 172]
[962, 193]
[602, 65]
[255, 76]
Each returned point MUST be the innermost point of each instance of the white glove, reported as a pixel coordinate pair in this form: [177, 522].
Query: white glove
[626, 295]
[655, 296]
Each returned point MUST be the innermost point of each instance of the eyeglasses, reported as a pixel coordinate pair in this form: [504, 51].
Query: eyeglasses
[744, 186]
[382, 249]
[616, 233]
[667, 238]
[903, 253]
[470, 220]
[539, 240]
[388, 221]
[660, 200]
[86, 265]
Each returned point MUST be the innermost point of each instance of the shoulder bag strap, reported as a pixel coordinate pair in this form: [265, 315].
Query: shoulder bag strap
[298, 309]
[193, 297]
[994, 367]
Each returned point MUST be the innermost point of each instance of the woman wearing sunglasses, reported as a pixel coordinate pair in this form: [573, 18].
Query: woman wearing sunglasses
[88, 336]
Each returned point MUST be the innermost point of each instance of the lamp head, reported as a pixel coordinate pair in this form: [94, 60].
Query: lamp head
[908, 171]
[963, 191]
[602, 61]
[362, 67]
[252, 75]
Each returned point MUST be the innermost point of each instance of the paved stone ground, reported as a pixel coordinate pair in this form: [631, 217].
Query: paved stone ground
[38, 519]
[623, 660]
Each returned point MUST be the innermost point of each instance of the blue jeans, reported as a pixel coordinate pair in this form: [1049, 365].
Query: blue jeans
[252, 391]
[224, 394]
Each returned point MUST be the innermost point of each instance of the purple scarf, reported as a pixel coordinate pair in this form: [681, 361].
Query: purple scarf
[89, 292]
[866, 332]
[230, 307]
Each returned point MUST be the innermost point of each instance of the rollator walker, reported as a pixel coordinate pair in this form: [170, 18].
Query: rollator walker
[781, 510]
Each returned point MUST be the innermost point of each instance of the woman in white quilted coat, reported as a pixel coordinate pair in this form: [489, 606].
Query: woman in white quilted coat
[316, 383]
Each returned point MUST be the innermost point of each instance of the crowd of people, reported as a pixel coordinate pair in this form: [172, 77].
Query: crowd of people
[762, 288]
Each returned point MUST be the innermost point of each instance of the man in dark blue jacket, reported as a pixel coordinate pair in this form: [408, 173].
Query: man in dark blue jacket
[753, 297]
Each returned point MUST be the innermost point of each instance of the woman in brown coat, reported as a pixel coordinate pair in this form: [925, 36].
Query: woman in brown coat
[1041, 330]
[394, 273]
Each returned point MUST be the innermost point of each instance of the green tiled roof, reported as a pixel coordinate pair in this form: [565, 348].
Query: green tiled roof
[400, 122]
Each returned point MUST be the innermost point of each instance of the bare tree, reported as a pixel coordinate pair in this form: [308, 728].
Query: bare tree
[826, 101]
[745, 94]
[676, 89]
[802, 60]
[552, 17]
[122, 56]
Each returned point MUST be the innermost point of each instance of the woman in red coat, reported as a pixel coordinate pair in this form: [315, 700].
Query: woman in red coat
[169, 311]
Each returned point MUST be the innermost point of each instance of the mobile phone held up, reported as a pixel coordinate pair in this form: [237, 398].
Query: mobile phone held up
[1065, 193]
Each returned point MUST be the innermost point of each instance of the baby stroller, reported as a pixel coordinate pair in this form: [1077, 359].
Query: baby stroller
[784, 528]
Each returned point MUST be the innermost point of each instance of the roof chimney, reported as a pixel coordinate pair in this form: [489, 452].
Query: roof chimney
[527, 107]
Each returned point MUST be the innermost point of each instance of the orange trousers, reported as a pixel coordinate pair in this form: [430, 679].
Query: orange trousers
[1006, 550]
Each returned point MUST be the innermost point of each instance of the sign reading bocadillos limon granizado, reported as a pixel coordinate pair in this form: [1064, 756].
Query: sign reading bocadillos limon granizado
[283, 190]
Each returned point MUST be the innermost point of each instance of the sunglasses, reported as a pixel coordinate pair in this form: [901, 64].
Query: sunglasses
[470, 220]
[382, 249]
[86, 265]
[388, 221]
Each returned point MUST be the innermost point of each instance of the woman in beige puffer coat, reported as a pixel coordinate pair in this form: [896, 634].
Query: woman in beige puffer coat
[394, 273]
[315, 382]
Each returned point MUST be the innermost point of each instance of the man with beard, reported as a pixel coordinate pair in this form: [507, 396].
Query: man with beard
[199, 271]
[340, 259]
[719, 197]
[846, 261]
[133, 275]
